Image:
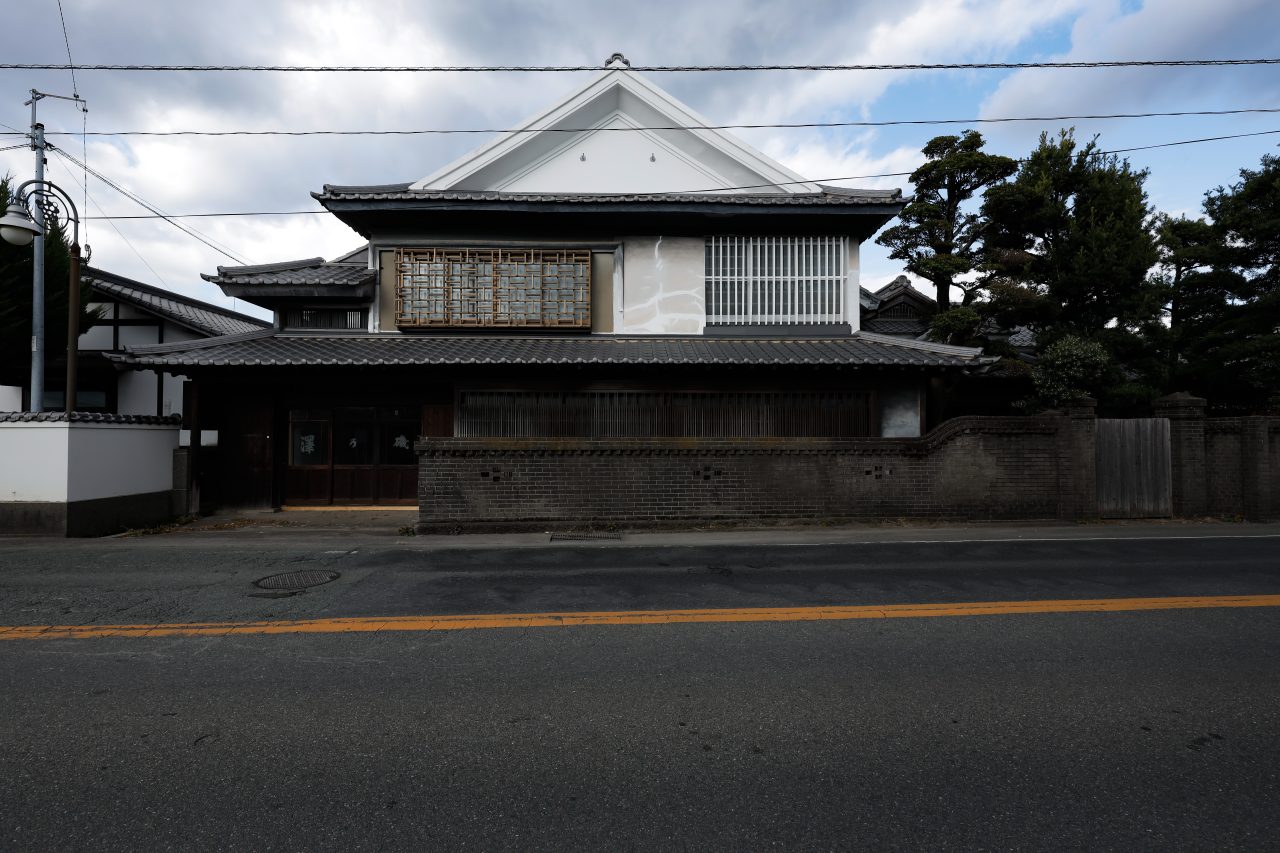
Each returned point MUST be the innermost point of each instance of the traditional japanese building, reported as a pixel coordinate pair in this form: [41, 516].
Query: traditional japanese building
[614, 269]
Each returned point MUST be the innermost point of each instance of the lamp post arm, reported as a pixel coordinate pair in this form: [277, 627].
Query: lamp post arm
[29, 193]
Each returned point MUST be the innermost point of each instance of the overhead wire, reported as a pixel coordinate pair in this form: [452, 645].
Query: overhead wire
[775, 125]
[900, 66]
[731, 189]
[67, 40]
[111, 222]
[158, 213]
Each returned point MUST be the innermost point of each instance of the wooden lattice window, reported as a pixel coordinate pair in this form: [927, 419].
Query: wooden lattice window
[457, 287]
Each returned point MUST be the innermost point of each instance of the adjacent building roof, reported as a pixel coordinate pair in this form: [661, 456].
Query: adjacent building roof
[183, 310]
[308, 271]
[279, 349]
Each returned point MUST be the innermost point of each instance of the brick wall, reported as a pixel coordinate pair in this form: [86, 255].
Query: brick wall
[969, 468]
[1223, 485]
[1226, 467]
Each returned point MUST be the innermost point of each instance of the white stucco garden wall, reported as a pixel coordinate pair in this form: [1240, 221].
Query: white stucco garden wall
[110, 460]
[33, 462]
[59, 462]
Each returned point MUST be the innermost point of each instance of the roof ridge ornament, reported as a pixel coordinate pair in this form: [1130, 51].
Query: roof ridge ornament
[617, 61]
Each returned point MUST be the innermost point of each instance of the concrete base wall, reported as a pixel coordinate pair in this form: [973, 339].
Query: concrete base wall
[100, 517]
[969, 468]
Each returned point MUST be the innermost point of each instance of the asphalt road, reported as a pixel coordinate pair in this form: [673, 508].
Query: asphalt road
[1138, 730]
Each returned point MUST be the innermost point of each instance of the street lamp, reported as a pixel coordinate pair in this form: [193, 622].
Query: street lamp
[19, 227]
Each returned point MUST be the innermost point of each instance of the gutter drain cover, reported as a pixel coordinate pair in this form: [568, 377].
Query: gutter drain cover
[584, 537]
[296, 580]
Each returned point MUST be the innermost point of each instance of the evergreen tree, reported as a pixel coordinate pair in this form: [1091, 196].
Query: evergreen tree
[15, 301]
[1068, 245]
[1232, 350]
[935, 236]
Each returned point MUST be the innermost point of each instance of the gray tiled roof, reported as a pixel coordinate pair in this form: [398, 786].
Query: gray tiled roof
[284, 349]
[895, 326]
[308, 271]
[89, 418]
[192, 313]
[401, 192]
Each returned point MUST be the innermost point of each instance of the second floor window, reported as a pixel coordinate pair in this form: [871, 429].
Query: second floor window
[325, 318]
[775, 280]
[458, 287]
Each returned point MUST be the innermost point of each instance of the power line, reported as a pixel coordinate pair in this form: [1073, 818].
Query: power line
[719, 189]
[12, 147]
[110, 221]
[159, 214]
[70, 62]
[785, 125]
[909, 66]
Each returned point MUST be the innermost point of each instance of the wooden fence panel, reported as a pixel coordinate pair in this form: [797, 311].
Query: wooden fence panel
[1133, 468]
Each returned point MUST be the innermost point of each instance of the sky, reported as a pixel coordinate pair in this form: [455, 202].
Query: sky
[219, 174]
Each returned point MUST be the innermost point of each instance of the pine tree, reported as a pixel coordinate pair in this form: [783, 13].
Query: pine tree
[937, 238]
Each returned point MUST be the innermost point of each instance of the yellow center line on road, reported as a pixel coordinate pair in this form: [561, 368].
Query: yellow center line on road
[361, 624]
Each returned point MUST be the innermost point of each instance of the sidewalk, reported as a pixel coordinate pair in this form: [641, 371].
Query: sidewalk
[395, 525]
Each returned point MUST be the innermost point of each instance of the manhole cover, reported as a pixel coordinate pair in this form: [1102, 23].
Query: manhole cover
[296, 580]
[583, 537]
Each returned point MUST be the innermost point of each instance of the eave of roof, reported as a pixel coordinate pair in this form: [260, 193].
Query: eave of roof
[403, 196]
[272, 348]
[193, 314]
[307, 272]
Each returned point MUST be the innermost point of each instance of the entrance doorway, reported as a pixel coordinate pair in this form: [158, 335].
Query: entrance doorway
[352, 455]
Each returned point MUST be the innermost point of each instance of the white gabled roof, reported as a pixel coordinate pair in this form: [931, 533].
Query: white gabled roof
[541, 156]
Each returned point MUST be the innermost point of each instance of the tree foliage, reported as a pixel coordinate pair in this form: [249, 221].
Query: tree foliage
[16, 301]
[1230, 347]
[1069, 368]
[1072, 230]
[936, 236]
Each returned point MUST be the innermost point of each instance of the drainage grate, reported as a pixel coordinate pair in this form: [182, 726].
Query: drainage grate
[583, 537]
[296, 580]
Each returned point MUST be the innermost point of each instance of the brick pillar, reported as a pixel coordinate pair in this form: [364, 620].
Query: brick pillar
[1186, 451]
[1083, 417]
[1255, 468]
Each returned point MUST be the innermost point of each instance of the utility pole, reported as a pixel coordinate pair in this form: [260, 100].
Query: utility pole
[37, 264]
[37, 268]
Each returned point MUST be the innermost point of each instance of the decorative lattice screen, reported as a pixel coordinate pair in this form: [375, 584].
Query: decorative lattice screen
[494, 287]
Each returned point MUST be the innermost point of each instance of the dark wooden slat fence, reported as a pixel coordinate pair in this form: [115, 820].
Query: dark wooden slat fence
[1133, 468]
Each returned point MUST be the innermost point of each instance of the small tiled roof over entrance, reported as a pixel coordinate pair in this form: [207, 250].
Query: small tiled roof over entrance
[308, 271]
[281, 349]
[192, 313]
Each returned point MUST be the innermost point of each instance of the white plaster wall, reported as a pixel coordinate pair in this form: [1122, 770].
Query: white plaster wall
[33, 462]
[110, 460]
[136, 392]
[10, 398]
[172, 403]
[852, 303]
[602, 161]
[97, 338]
[900, 411]
[138, 336]
[663, 291]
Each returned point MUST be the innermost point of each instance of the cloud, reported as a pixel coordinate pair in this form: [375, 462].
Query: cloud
[1159, 29]
[187, 175]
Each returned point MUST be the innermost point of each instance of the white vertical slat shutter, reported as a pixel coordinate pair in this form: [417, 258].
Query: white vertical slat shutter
[775, 280]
